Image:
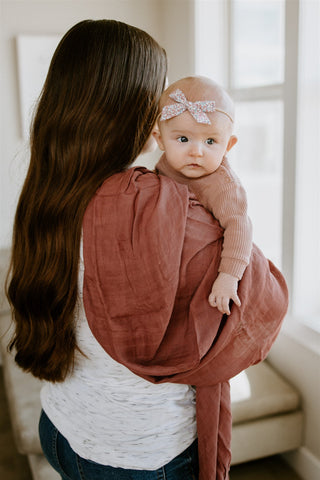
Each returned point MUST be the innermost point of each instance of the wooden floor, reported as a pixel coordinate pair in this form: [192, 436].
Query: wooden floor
[14, 466]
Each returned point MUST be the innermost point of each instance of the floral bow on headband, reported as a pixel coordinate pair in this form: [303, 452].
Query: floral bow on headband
[197, 109]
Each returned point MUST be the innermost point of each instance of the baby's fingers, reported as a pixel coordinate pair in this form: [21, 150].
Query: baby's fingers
[222, 303]
[212, 300]
[236, 300]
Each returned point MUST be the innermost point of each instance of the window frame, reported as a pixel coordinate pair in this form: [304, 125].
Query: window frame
[287, 92]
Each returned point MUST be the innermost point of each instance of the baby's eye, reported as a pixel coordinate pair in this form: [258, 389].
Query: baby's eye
[210, 141]
[182, 139]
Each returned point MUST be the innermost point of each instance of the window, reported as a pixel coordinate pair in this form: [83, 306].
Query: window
[267, 55]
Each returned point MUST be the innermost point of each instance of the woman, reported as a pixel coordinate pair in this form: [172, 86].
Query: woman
[110, 273]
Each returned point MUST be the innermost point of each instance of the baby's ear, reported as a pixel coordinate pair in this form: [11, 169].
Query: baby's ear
[157, 135]
[232, 141]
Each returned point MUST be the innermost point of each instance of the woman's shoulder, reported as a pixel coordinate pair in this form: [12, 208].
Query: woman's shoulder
[135, 179]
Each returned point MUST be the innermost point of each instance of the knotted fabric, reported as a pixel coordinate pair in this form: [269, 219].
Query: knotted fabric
[151, 253]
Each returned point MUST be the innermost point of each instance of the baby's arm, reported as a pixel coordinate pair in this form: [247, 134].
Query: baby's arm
[222, 194]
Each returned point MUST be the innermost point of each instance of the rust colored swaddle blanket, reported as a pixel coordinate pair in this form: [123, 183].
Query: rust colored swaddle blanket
[151, 253]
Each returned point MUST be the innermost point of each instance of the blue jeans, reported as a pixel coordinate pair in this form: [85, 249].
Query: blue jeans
[72, 467]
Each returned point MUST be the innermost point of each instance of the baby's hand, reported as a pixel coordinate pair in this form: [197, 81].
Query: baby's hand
[223, 290]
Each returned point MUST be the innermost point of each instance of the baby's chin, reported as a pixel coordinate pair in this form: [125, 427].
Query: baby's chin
[193, 171]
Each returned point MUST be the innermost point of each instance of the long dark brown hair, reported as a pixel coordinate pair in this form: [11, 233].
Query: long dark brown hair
[95, 113]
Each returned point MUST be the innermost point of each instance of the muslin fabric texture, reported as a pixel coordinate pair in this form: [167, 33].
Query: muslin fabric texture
[151, 253]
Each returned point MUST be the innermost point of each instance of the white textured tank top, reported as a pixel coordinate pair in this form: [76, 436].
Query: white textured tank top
[111, 416]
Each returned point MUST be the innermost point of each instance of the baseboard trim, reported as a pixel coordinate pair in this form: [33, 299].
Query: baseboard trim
[304, 462]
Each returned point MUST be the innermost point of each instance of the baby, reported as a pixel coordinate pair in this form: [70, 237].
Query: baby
[195, 132]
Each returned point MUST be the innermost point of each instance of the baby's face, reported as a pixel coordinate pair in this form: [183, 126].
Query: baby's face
[195, 149]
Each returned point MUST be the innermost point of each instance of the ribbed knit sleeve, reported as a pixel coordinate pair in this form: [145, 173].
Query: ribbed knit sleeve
[223, 195]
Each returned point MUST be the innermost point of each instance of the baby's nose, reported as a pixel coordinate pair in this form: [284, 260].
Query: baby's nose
[196, 149]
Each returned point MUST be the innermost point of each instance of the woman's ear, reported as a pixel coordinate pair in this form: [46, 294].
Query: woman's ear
[157, 135]
[232, 141]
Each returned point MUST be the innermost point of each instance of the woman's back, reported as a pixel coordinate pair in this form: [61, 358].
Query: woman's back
[131, 423]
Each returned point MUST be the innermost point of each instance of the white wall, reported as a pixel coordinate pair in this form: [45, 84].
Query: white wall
[168, 21]
[296, 355]
[177, 19]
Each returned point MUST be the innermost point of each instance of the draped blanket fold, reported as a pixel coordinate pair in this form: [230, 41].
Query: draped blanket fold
[151, 254]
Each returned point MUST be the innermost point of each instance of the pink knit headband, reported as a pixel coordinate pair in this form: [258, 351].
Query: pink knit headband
[197, 109]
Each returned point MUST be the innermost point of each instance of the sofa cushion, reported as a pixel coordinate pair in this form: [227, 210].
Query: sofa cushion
[266, 436]
[260, 392]
[23, 394]
[41, 469]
